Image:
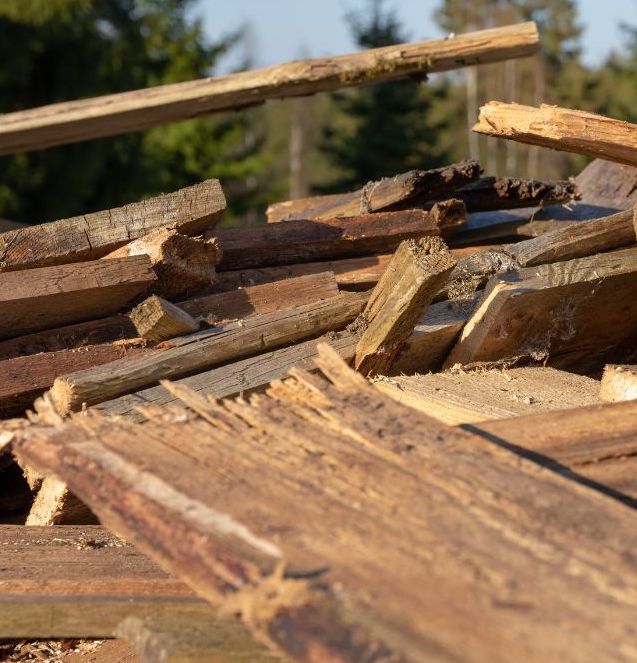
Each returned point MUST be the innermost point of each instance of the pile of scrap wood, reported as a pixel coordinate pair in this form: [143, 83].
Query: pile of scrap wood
[396, 424]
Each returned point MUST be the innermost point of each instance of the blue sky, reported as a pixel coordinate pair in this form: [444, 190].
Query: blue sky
[284, 30]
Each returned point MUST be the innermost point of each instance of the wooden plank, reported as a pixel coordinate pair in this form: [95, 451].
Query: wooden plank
[55, 505]
[205, 349]
[382, 533]
[608, 184]
[619, 383]
[459, 397]
[387, 194]
[306, 241]
[574, 314]
[72, 121]
[22, 379]
[52, 296]
[214, 308]
[82, 582]
[565, 243]
[239, 378]
[190, 211]
[156, 319]
[183, 264]
[414, 275]
[561, 129]
[596, 444]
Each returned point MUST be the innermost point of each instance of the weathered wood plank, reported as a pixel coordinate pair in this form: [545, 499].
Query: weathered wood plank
[387, 194]
[382, 517]
[225, 306]
[459, 397]
[574, 314]
[414, 275]
[183, 264]
[561, 129]
[51, 296]
[190, 211]
[619, 383]
[140, 109]
[22, 379]
[305, 241]
[608, 184]
[205, 349]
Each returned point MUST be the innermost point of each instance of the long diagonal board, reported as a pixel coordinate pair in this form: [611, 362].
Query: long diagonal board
[343, 526]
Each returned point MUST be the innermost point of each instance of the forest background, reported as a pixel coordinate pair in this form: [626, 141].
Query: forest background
[56, 50]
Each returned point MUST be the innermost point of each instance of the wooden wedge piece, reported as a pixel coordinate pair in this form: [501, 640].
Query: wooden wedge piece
[619, 383]
[183, 264]
[306, 241]
[414, 275]
[156, 319]
[402, 191]
[276, 478]
[52, 296]
[190, 211]
[561, 129]
[72, 121]
[459, 397]
[205, 349]
[576, 314]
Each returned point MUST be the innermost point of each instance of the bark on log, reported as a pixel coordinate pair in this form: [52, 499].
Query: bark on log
[190, 211]
[561, 129]
[114, 114]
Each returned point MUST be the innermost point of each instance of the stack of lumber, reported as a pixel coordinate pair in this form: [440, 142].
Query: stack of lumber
[393, 424]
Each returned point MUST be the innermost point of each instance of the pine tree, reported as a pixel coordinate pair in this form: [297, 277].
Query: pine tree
[385, 128]
[56, 50]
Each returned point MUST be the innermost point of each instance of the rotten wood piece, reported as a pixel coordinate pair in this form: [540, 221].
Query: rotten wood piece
[51, 296]
[459, 397]
[305, 241]
[497, 193]
[388, 194]
[156, 319]
[114, 114]
[205, 349]
[576, 315]
[304, 510]
[22, 379]
[191, 211]
[619, 383]
[414, 275]
[561, 129]
[183, 264]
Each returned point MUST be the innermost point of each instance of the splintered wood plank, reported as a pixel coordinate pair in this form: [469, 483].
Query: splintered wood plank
[619, 383]
[413, 277]
[183, 264]
[608, 184]
[206, 349]
[306, 241]
[52, 296]
[561, 129]
[55, 505]
[83, 582]
[72, 121]
[190, 211]
[597, 444]
[402, 191]
[458, 397]
[22, 379]
[344, 526]
[240, 377]
[574, 314]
